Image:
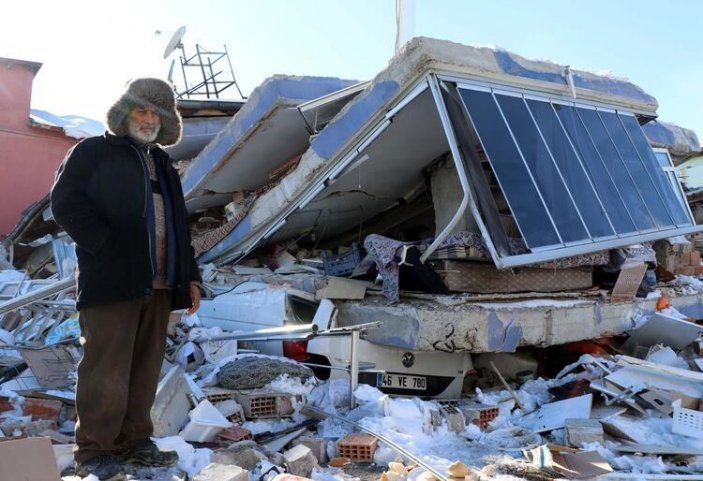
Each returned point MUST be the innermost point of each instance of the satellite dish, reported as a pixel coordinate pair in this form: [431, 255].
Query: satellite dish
[175, 41]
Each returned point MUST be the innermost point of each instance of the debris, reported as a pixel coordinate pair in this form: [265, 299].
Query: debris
[340, 288]
[47, 409]
[478, 414]
[243, 454]
[205, 422]
[222, 472]
[357, 447]
[455, 418]
[572, 465]
[317, 445]
[15, 454]
[300, 461]
[252, 372]
[458, 470]
[580, 431]
[169, 413]
[554, 415]
[505, 384]
[235, 434]
[688, 422]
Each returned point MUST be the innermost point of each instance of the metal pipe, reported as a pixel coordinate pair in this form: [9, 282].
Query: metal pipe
[37, 295]
[456, 157]
[354, 366]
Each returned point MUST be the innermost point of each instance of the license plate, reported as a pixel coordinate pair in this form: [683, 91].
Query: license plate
[401, 381]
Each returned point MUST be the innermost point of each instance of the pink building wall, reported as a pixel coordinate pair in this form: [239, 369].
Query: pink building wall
[29, 156]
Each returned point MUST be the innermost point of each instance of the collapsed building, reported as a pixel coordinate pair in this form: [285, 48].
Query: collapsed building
[472, 174]
[418, 233]
[507, 175]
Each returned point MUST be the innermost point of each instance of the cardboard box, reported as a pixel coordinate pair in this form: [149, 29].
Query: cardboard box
[28, 458]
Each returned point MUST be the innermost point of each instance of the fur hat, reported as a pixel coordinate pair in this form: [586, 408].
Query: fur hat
[152, 93]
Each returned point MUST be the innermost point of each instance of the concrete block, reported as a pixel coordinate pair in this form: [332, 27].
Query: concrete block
[242, 454]
[579, 431]
[300, 461]
[455, 418]
[318, 446]
[222, 472]
[435, 418]
[169, 413]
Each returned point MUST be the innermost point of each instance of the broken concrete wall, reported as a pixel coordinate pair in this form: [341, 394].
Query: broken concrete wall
[500, 327]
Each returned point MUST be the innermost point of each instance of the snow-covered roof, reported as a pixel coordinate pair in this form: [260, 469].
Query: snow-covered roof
[73, 126]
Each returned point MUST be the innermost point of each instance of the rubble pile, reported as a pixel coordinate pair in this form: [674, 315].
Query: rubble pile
[632, 407]
[402, 281]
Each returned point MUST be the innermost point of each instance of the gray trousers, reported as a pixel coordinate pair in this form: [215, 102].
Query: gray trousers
[123, 349]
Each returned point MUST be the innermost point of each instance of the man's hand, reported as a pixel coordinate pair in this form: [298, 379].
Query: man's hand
[194, 297]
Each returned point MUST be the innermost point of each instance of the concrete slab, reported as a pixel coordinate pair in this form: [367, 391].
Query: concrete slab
[369, 111]
[499, 327]
[264, 134]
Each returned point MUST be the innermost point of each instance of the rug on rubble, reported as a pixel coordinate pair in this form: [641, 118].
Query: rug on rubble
[253, 372]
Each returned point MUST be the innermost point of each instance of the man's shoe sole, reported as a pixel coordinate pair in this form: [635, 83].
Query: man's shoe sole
[116, 477]
[145, 461]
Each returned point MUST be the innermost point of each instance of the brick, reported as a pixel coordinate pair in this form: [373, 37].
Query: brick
[235, 433]
[357, 447]
[300, 461]
[480, 415]
[48, 409]
[695, 258]
[5, 404]
[222, 472]
[685, 258]
[690, 270]
[265, 405]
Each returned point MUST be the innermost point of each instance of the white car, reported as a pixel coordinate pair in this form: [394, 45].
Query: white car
[253, 307]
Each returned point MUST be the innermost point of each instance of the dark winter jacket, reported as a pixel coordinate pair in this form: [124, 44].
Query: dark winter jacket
[99, 198]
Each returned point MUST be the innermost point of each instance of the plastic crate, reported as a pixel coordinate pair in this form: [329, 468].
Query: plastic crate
[687, 421]
[341, 264]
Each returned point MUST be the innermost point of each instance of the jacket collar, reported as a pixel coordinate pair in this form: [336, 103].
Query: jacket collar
[126, 140]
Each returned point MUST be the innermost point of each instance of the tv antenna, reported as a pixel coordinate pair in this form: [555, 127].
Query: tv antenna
[210, 81]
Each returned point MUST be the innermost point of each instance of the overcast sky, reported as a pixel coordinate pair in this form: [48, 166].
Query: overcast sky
[90, 48]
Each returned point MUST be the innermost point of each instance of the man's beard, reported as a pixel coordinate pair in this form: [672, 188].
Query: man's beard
[140, 136]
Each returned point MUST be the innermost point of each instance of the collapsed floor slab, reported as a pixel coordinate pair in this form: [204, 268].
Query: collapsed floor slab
[500, 327]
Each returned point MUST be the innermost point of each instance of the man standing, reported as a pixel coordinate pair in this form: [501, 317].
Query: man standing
[121, 201]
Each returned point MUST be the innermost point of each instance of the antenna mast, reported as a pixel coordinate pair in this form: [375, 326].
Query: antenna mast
[212, 70]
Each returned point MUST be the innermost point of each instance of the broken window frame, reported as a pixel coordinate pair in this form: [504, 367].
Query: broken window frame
[673, 175]
[451, 83]
[311, 110]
